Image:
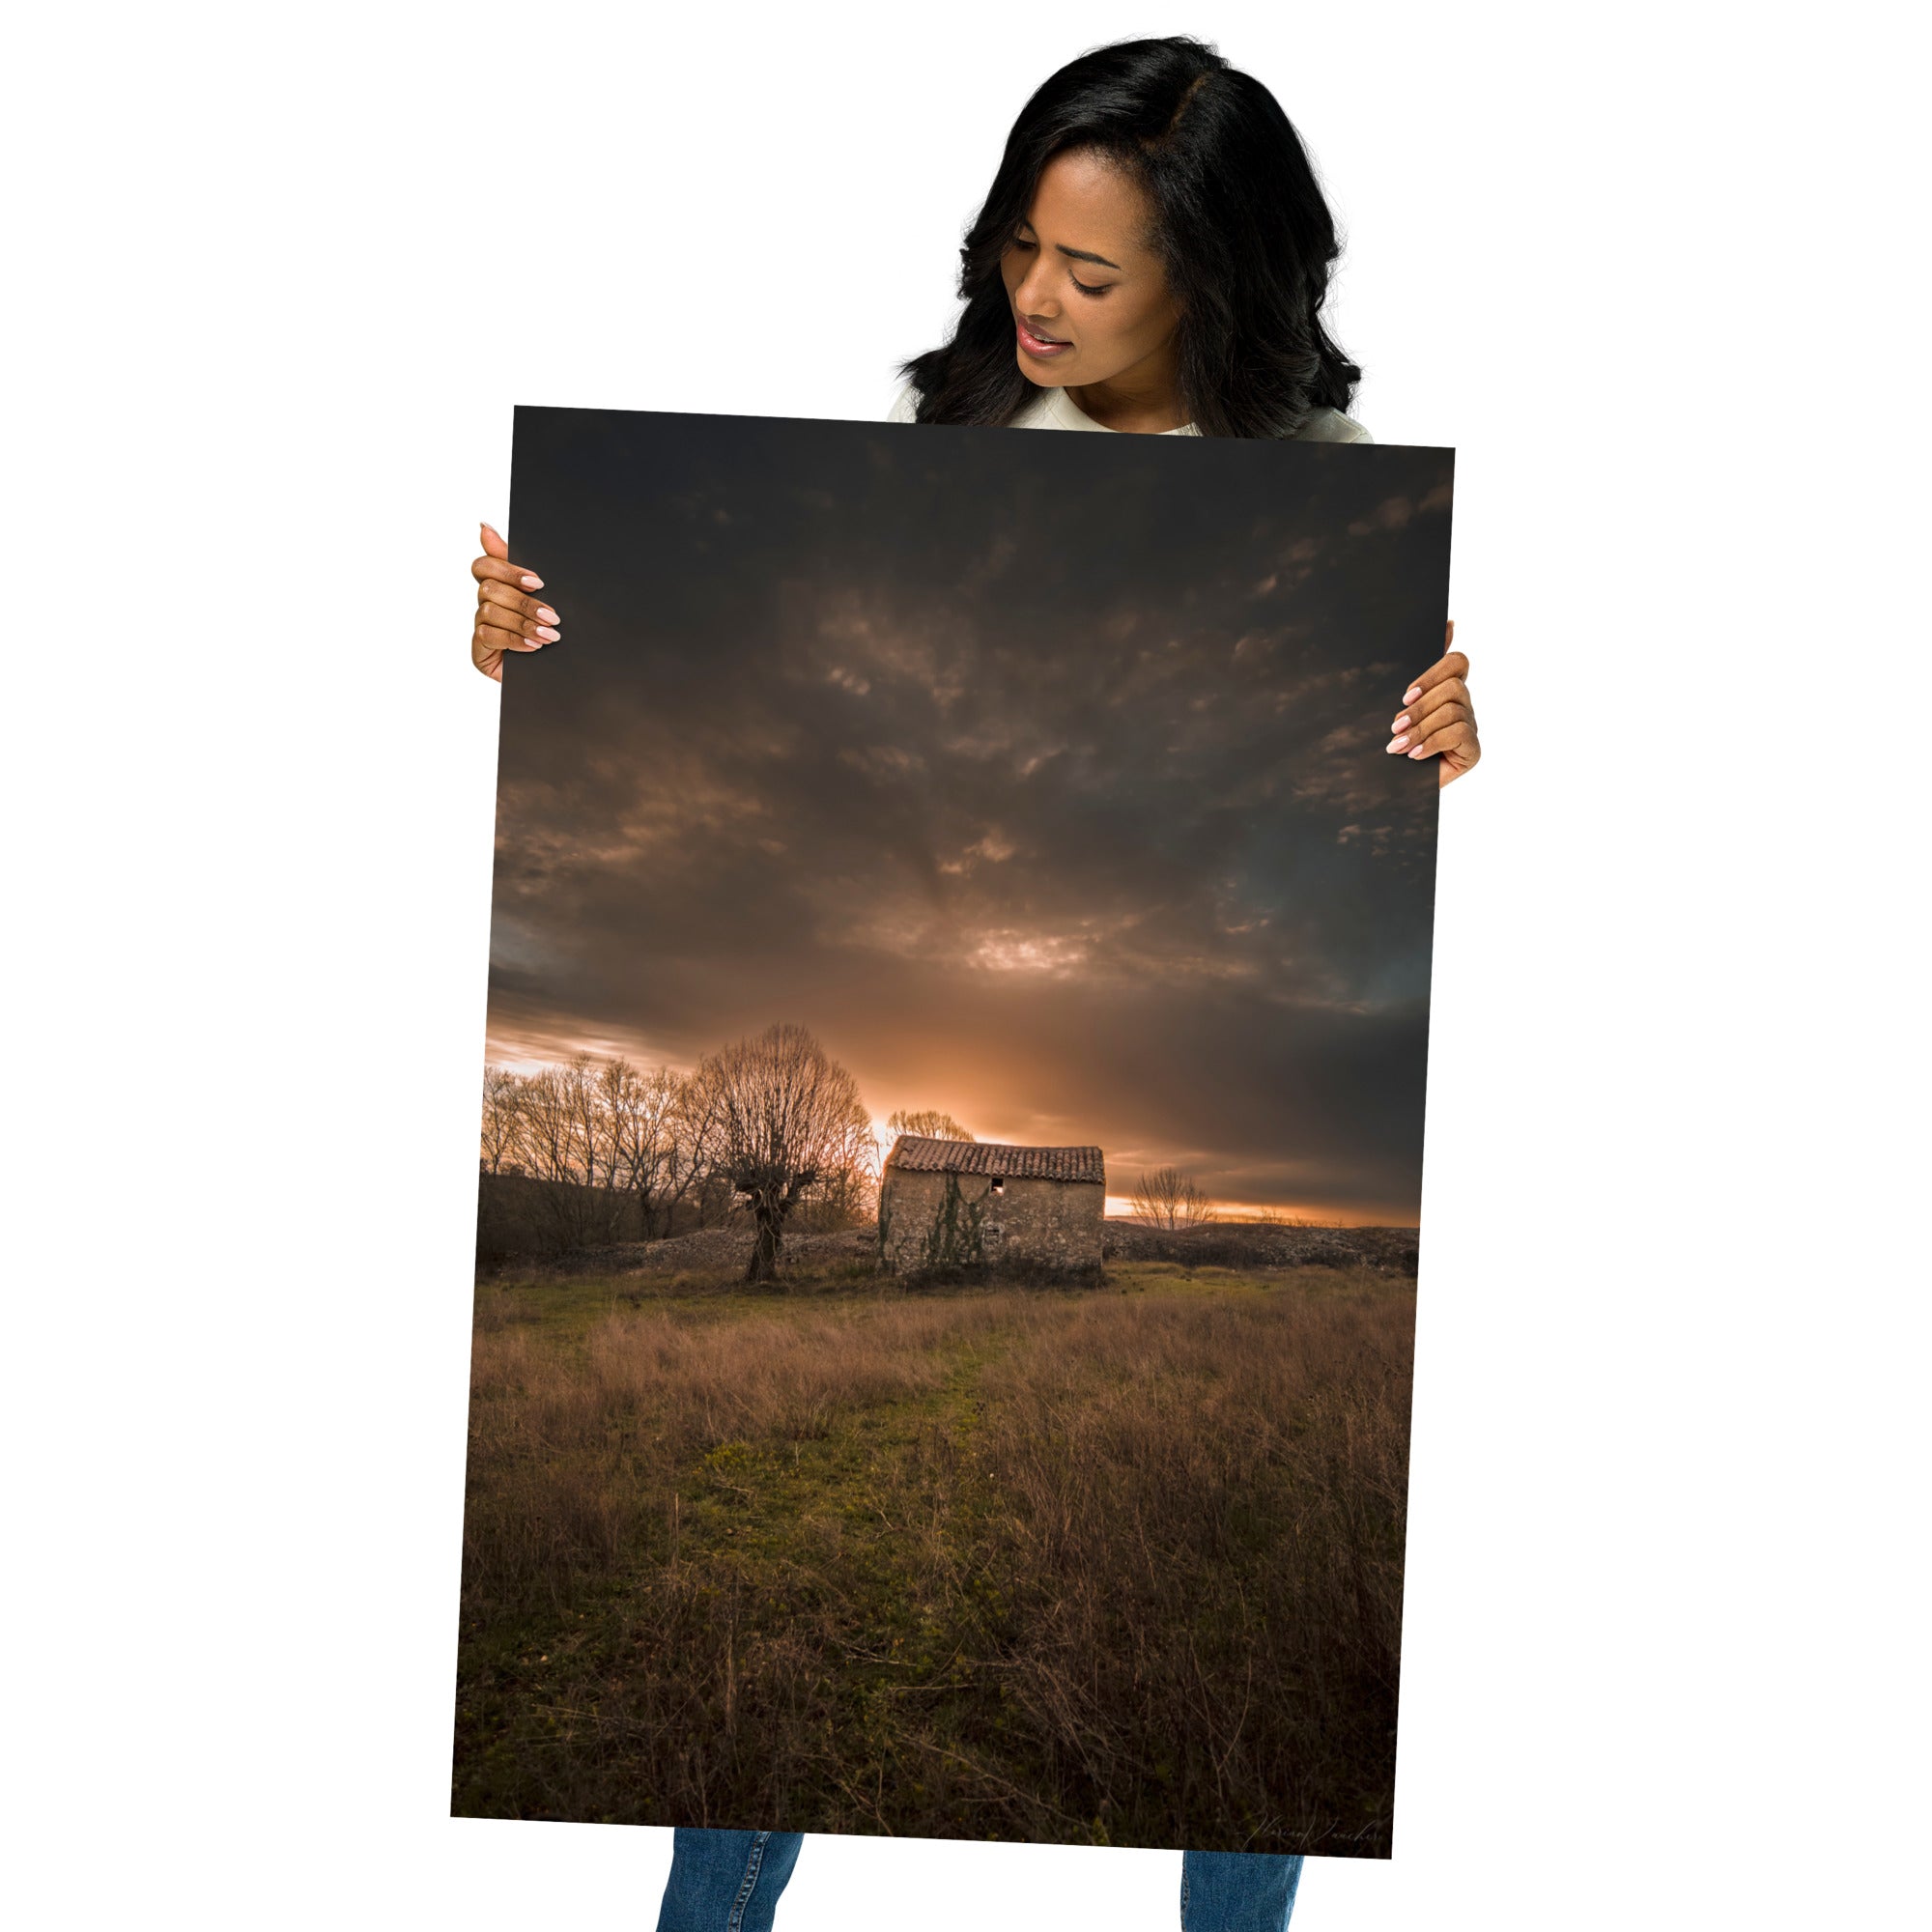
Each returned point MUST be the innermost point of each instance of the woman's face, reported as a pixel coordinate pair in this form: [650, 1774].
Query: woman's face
[1091, 300]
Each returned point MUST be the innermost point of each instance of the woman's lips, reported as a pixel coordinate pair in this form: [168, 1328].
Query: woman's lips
[1044, 347]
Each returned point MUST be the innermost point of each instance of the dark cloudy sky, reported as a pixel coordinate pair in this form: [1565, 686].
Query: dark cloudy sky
[1041, 776]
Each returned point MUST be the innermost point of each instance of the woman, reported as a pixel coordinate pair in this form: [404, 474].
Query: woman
[1152, 258]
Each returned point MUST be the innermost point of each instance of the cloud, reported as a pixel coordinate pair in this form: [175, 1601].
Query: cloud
[1390, 514]
[982, 760]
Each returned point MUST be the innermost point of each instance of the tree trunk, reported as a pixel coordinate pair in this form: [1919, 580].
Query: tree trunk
[768, 1242]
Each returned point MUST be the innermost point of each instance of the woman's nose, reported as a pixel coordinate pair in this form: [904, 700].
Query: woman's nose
[1034, 297]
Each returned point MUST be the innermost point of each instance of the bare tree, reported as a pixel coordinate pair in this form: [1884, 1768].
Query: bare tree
[847, 1191]
[561, 1137]
[590, 1128]
[693, 1145]
[786, 1116]
[928, 1123]
[632, 1107]
[641, 1109]
[546, 1127]
[1169, 1199]
[501, 1117]
[619, 1093]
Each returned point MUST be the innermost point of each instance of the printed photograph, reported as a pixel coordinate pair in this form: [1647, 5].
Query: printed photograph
[952, 1136]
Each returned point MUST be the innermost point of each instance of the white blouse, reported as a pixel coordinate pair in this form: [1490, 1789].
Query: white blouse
[1055, 409]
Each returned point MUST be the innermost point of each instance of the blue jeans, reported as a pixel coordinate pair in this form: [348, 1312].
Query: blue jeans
[730, 1882]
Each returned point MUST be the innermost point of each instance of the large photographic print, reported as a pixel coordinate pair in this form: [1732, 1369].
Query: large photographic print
[951, 1135]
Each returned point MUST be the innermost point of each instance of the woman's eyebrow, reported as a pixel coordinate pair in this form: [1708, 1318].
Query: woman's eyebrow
[1085, 255]
[1079, 254]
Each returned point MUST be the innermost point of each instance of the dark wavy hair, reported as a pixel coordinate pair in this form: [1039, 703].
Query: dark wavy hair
[1240, 228]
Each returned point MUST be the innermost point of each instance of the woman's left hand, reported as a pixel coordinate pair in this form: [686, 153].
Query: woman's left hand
[1436, 719]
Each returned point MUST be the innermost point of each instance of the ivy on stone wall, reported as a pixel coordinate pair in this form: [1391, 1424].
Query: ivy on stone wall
[956, 1239]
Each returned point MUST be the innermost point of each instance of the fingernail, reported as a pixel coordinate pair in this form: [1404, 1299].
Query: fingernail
[1400, 723]
[546, 615]
[536, 584]
[1417, 753]
[1395, 744]
[548, 635]
[536, 644]
[1413, 692]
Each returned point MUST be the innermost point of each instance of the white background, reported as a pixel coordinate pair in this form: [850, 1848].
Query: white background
[279, 276]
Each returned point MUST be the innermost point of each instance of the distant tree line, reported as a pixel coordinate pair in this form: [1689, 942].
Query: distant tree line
[607, 1124]
[769, 1128]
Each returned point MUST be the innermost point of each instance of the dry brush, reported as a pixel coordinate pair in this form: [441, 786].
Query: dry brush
[1118, 1567]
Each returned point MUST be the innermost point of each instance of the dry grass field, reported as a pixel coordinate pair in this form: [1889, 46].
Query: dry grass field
[1110, 1565]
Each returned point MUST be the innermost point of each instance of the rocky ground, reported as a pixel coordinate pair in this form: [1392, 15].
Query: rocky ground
[1236, 1245]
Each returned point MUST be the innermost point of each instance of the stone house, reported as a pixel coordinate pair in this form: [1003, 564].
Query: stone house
[979, 1203]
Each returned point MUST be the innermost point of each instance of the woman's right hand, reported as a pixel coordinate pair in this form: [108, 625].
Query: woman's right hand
[506, 620]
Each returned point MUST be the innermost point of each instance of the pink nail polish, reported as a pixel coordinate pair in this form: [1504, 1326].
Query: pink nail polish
[1400, 723]
[544, 615]
[1395, 744]
[1413, 692]
[548, 635]
[536, 584]
[1417, 753]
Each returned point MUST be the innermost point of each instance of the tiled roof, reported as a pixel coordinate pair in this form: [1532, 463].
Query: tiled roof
[920, 1156]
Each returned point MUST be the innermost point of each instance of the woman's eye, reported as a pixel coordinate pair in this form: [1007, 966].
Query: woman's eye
[1097, 289]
